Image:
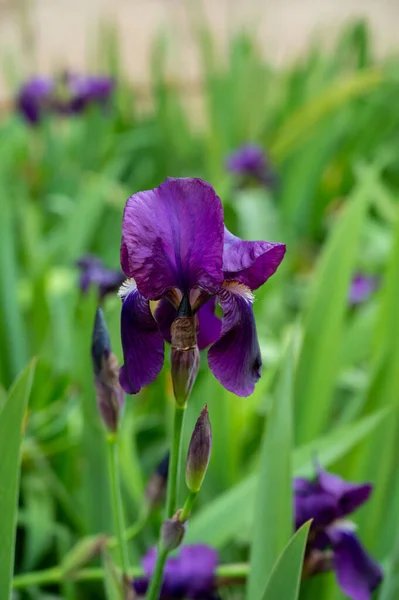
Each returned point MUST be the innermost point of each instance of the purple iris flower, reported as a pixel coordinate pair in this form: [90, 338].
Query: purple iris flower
[175, 245]
[361, 288]
[93, 272]
[190, 575]
[250, 163]
[70, 93]
[328, 500]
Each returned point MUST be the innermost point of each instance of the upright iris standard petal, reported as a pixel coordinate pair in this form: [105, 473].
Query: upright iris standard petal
[314, 504]
[235, 358]
[357, 573]
[250, 263]
[143, 346]
[173, 238]
[349, 496]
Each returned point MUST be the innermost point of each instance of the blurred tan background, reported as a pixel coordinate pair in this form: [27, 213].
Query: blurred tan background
[49, 34]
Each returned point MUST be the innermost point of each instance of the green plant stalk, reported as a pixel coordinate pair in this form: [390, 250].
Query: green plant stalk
[188, 506]
[171, 497]
[116, 498]
[56, 575]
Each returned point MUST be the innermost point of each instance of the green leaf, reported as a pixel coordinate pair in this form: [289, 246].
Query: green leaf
[11, 425]
[285, 579]
[273, 505]
[318, 361]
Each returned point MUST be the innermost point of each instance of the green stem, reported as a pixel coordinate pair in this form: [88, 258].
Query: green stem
[117, 501]
[188, 506]
[132, 531]
[174, 462]
[171, 496]
[56, 574]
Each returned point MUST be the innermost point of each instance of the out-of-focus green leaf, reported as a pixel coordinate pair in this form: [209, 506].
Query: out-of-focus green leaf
[285, 579]
[273, 519]
[11, 430]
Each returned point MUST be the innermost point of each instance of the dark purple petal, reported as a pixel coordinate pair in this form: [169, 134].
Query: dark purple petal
[250, 161]
[235, 358]
[209, 325]
[357, 572]
[349, 496]
[250, 263]
[188, 575]
[362, 286]
[34, 96]
[316, 505]
[143, 346]
[95, 273]
[173, 238]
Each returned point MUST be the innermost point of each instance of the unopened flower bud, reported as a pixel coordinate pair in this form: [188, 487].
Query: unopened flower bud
[110, 396]
[185, 353]
[199, 452]
[172, 533]
[156, 486]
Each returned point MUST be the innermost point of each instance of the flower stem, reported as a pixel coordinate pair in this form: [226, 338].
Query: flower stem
[55, 575]
[171, 498]
[117, 501]
[188, 506]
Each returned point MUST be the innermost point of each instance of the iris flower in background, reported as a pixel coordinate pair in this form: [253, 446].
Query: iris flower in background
[332, 543]
[189, 575]
[362, 287]
[93, 272]
[251, 165]
[65, 95]
[174, 246]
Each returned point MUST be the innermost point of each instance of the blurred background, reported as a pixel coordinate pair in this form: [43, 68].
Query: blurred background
[312, 88]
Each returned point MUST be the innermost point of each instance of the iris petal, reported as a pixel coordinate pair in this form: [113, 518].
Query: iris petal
[349, 496]
[235, 358]
[357, 573]
[173, 238]
[143, 346]
[250, 263]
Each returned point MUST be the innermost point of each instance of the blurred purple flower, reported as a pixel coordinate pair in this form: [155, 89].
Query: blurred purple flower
[250, 163]
[174, 246]
[189, 575]
[95, 273]
[70, 93]
[332, 543]
[361, 288]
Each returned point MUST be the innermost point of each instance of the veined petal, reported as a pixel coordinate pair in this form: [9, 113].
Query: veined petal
[209, 325]
[235, 358]
[172, 237]
[349, 496]
[357, 572]
[250, 263]
[143, 346]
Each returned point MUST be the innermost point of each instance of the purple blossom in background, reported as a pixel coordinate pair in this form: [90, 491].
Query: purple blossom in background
[362, 286]
[250, 163]
[93, 272]
[189, 575]
[70, 93]
[332, 543]
[175, 245]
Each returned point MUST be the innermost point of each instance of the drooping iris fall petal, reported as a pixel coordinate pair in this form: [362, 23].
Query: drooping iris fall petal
[235, 358]
[143, 345]
[172, 237]
[250, 263]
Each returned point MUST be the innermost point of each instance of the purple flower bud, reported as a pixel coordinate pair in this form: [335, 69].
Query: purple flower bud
[185, 353]
[199, 452]
[172, 533]
[110, 396]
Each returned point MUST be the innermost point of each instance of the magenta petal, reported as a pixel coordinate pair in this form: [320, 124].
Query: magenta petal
[250, 263]
[173, 238]
[143, 346]
[235, 358]
[357, 573]
[349, 496]
[209, 325]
